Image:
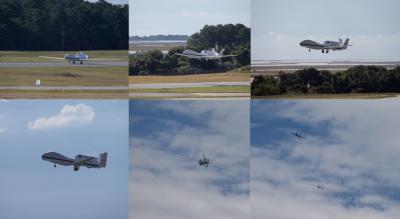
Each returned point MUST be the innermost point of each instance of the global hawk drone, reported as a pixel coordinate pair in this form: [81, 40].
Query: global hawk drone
[79, 57]
[80, 160]
[204, 161]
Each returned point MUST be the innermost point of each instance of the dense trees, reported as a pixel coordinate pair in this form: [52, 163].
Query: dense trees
[235, 39]
[62, 25]
[359, 79]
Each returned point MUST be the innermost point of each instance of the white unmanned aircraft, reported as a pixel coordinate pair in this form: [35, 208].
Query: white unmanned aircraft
[78, 57]
[80, 160]
[326, 46]
[204, 54]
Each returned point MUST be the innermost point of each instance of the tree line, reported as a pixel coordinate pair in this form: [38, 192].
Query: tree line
[62, 25]
[234, 38]
[358, 79]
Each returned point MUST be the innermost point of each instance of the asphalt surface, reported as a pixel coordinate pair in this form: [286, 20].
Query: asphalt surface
[189, 95]
[62, 64]
[187, 85]
[111, 88]
[280, 65]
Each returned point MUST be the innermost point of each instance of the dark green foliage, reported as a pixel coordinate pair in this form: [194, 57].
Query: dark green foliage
[62, 25]
[235, 39]
[359, 79]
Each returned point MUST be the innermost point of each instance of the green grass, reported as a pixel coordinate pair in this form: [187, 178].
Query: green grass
[33, 56]
[65, 76]
[213, 89]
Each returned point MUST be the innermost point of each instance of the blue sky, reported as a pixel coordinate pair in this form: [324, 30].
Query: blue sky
[167, 140]
[351, 147]
[151, 17]
[31, 187]
[373, 27]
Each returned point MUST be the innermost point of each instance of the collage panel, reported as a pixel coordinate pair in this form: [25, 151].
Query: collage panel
[64, 49]
[64, 159]
[325, 159]
[189, 159]
[324, 50]
[189, 49]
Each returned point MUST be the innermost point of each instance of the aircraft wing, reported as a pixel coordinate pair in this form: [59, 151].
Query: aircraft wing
[50, 57]
[83, 160]
[228, 56]
[101, 59]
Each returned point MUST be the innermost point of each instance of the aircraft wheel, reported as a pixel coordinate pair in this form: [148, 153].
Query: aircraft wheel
[81, 63]
[55, 165]
[309, 50]
[327, 51]
[73, 62]
[323, 51]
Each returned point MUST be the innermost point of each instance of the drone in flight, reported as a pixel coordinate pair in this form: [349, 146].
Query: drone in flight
[320, 187]
[296, 134]
[204, 161]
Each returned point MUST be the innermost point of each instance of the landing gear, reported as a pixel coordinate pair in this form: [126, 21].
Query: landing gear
[81, 62]
[327, 51]
[73, 62]
[323, 51]
[55, 165]
[309, 50]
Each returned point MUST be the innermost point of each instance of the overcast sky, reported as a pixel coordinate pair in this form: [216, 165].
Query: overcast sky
[167, 140]
[278, 26]
[151, 17]
[33, 188]
[351, 147]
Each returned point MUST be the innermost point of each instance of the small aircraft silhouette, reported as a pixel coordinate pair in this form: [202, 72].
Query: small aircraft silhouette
[321, 187]
[204, 54]
[326, 46]
[204, 161]
[80, 160]
[79, 57]
[296, 134]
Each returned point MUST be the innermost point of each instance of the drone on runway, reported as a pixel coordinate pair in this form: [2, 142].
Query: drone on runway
[79, 57]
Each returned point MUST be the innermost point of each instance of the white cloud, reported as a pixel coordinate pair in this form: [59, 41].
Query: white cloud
[70, 115]
[2, 130]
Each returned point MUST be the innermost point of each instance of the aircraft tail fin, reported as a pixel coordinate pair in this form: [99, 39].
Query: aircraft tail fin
[340, 41]
[103, 160]
[346, 42]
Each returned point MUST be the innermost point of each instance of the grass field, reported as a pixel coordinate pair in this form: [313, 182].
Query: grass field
[33, 56]
[214, 77]
[213, 89]
[64, 76]
[331, 96]
[62, 94]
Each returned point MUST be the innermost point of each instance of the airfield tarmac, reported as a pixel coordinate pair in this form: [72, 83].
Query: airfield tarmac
[260, 67]
[186, 85]
[119, 88]
[61, 64]
[189, 95]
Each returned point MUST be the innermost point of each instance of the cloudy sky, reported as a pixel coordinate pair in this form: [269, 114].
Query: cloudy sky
[167, 140]
[278, 26]
[351, 147]
[151, 17]
[33, 188]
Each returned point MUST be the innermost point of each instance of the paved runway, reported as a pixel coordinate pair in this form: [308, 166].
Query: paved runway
[293, 65]
[61, 64]
[110, 88]
[189, 95]
[187, 85]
